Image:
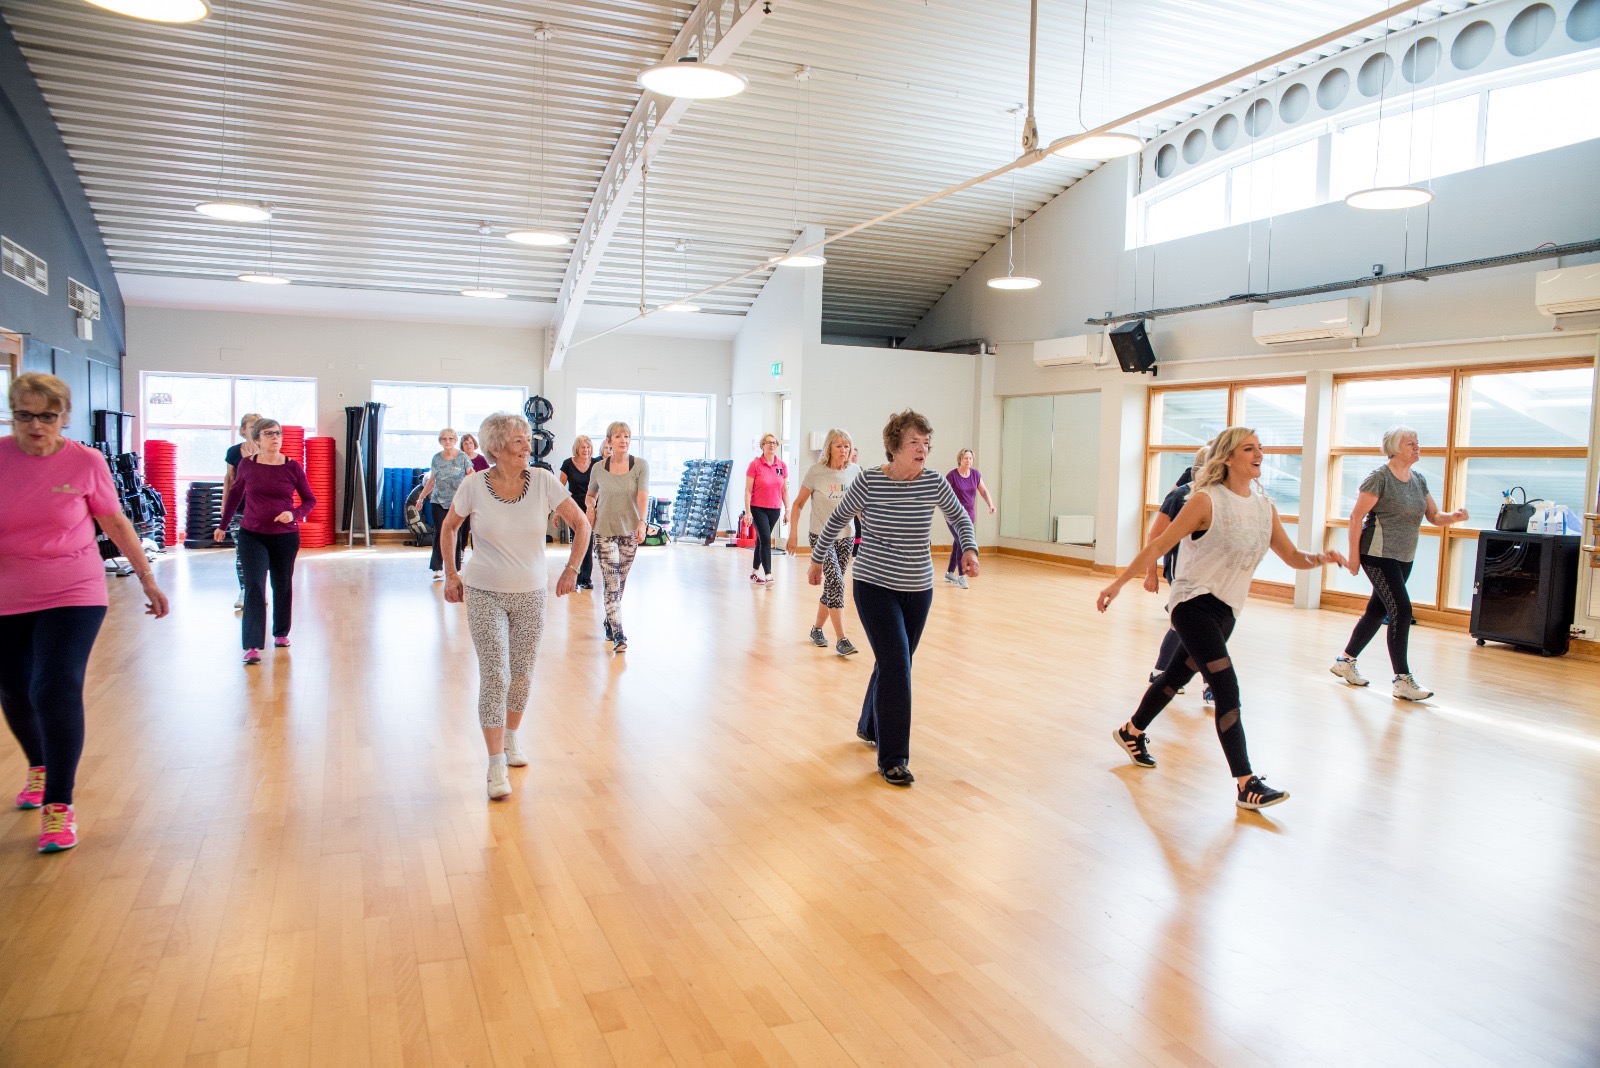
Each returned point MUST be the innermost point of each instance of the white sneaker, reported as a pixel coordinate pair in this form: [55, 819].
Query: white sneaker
[499, 782]
[438, 576]
[238, 602]
[1406, 689]
[514, 754]
[1346, 670]
[961, 580]
[950, 577]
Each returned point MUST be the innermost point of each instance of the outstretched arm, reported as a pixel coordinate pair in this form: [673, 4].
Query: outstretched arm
[1196, 515]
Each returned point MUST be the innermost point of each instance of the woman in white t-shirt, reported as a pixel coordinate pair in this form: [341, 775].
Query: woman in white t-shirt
[824, 485]
[1208, 593]
[503, 584]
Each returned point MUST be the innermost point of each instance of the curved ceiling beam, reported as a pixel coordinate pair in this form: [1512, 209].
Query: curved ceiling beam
[713, 32]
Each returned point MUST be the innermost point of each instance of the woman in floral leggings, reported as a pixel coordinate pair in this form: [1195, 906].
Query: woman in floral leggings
[618, 504]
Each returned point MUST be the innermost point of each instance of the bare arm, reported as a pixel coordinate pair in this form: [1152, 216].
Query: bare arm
[126, 539]
[1196, 515]
[1285, 550]
[749, 488]
[1152, 574]
[794, 518]
[568, 513]
[983, 491]
[1443, 519]
[454, 591]
[642, 503]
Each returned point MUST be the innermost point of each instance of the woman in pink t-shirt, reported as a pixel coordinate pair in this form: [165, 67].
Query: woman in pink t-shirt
[53, 592]
[766, 498]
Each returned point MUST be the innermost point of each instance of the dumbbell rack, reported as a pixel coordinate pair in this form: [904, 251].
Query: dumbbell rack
[698, 508]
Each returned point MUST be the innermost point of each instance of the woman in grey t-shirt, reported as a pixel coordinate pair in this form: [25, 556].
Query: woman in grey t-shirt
[1384, 525]
[619, 499]
[824, 486]
[448, 467]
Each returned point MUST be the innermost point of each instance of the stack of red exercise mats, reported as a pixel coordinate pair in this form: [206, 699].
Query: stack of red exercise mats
[161, 471]
[317, 531]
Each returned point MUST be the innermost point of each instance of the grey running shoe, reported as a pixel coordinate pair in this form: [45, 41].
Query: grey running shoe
[819, 639]
[845, 648]
[1345, 668]
[950, 577]
[1407, 689]
[1257, 794]
[1135, 746]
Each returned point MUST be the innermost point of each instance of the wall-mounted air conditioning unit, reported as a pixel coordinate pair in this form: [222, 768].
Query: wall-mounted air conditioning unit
[1568, 291]
[1326, 320]
[1080, 350]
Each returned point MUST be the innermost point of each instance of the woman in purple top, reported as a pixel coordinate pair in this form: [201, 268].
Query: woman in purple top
[469, 445]
[269, 534]
[967, 481]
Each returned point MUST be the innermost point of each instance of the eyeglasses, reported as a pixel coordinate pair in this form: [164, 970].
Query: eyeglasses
[47, 418]
[270, 434]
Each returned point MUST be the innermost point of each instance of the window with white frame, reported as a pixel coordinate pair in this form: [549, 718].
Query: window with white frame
[668, 429]
[1407, 139]
[417, 411]
[200, 415]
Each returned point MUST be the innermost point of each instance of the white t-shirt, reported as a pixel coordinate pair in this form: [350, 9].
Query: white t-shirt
[1224, 561]
[508, 536]
[827, 488]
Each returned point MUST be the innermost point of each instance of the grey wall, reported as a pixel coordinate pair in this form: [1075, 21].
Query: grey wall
[43, 209]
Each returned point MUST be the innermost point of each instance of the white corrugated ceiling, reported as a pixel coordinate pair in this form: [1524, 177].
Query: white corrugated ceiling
[384, 131]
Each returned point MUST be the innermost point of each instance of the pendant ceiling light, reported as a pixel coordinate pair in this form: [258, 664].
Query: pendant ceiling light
[269, 277]
[691, 79]
[802, 127]
[1101, 146]
[682, 306]
[1012, 280]
[221, 206]
[535, 233]
[1378, 197]
[157, 10]
[478, 289]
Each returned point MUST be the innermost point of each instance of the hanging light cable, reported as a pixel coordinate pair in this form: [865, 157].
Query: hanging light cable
[802, 77]
[478, 289]
[1101, 146]
[1379, 197]
[681, 246]
[536, 233]
[222, 207]
[1012, 280]
[269, 277]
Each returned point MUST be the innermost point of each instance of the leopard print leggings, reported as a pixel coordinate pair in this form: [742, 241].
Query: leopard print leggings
[506, 628]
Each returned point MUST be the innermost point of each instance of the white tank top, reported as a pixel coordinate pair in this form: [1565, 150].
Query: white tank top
[1223, 562]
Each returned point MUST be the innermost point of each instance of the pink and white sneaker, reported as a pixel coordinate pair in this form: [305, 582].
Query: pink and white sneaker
[59, 829]
[252, 656]
[281, 643]
[32, 795]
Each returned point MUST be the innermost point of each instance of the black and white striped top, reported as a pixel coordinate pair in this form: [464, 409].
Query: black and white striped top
[895, 518]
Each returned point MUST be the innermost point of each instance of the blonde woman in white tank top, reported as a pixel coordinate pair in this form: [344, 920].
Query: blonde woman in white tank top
[1209, 592]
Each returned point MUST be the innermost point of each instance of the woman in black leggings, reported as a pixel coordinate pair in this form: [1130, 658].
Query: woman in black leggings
[766, 498]
[1384, 525]
[1209, 592]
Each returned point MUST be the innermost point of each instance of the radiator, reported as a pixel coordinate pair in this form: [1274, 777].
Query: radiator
[1074, 530]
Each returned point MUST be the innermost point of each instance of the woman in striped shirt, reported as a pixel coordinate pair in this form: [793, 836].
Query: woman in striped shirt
[893, 584]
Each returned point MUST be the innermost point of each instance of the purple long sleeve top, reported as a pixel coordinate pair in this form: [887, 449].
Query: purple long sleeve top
[267, 490]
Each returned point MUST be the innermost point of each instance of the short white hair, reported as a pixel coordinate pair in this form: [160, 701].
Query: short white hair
[497, 429]
[1392, 437]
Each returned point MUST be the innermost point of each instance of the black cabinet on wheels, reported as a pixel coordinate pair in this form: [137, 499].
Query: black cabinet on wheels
[1526, 589]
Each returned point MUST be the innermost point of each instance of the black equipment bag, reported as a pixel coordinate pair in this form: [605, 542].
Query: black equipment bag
[1514, 516]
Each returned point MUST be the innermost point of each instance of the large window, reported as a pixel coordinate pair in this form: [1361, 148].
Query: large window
[668, 429]
[1404, 140]
[1482, 431]
[1184, 418]
[200, 414]
[417, 411]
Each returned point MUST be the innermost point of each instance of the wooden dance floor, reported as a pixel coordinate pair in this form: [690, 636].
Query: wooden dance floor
[296, 863]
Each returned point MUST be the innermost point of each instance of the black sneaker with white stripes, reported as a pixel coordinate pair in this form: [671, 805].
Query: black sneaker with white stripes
[899, 775]
[1135, 746]
[1256, 794]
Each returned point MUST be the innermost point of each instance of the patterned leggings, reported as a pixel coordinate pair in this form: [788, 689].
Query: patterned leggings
[615, 574]
[506, 628]
[833, 565]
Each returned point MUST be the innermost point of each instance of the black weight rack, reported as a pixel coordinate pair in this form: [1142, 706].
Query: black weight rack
[698, 507]
[140, 502]
[204, 515]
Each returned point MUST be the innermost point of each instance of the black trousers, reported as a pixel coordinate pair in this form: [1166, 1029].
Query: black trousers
[1203, 625]
[766, 521]
[264, 555]
[43, 658]
[1389, 599]
[893, 622]
[437, 513]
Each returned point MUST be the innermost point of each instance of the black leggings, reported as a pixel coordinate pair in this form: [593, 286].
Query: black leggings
[1203, 624]
[766, 521]
[1389, 598]
[893, 622]
[438, 512]
[263, 555]
[43, 658]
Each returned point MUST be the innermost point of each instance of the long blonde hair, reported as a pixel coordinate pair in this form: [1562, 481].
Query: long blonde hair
[1215, 469]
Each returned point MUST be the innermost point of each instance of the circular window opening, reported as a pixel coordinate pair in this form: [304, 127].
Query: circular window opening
[1583, 21]
[1258, 118]
[1333, 88]
[1472, 45]
[1530, 29]
[1194, 146]
[1420, 61]
[1166, 161]
[1375, 73]
[1225, 132]
[1295, 103]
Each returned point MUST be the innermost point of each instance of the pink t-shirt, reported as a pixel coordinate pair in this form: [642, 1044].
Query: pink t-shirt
[48, 557]
[770, 478]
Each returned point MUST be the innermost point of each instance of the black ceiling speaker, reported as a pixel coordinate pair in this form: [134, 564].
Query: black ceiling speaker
[1133, 348]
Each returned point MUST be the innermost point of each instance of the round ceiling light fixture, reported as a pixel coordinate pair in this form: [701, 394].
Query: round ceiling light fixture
[1390, 197]
[1014, 281]
[691, 79]
[264, 279]
[234, 210]
[1101, 146]
[679, 307]
[157, 10]
[484, 294]
[799, 259]
[542, 238]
